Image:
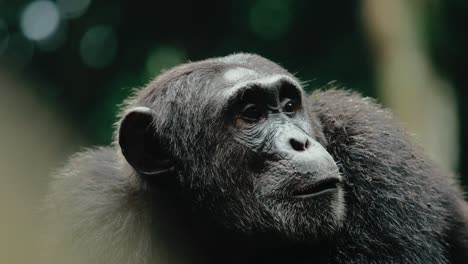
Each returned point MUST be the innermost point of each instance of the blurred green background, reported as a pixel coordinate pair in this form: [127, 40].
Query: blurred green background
[66, 65]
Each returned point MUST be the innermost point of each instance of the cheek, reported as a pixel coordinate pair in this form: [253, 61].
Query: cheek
[274, 180]
[253, 136]
[232, 165]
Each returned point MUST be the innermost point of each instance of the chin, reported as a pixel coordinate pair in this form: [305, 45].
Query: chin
[312, 218]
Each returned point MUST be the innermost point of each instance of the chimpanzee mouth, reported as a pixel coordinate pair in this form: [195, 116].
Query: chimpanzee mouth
[318, 188]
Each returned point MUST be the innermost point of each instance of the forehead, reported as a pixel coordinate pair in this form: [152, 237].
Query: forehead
[215, 76]
[239, 74]
[244, 62]
[240, 70]
[244, 67]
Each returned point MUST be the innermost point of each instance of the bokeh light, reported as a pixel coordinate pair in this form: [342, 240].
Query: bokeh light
[98, 46]
[39, 20]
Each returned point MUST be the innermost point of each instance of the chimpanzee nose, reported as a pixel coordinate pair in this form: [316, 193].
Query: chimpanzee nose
[299, 144]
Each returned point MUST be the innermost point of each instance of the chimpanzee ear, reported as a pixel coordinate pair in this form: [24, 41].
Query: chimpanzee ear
[141, 146]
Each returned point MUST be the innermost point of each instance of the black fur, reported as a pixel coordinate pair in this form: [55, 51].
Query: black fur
[399, 206]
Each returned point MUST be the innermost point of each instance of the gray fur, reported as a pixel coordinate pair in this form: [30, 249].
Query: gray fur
[399, 207]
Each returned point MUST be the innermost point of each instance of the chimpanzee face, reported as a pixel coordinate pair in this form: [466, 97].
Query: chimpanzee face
[239, 137]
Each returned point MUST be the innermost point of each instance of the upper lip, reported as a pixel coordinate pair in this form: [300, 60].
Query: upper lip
[317, 188]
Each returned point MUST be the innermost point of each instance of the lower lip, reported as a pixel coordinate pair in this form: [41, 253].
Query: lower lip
[313, 195]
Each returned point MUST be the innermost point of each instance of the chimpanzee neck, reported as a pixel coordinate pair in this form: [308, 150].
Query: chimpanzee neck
[212, 243]
[229, 247]
[197, 238]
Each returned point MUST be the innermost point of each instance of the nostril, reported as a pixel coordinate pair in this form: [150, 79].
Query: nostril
[298, 145]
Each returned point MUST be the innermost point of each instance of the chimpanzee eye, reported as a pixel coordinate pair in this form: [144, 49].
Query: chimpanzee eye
[251, 112]
[289, 106]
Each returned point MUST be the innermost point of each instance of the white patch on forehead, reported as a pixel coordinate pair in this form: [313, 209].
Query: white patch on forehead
[261, 81]
[236, 58]
[239, 73]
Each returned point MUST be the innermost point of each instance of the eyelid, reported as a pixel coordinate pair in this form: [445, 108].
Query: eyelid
[247, 106]
[286, 99]
[258, 112]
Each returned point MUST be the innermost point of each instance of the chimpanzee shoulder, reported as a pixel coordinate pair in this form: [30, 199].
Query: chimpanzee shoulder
[399, 202]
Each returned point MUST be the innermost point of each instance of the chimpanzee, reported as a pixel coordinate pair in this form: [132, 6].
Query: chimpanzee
[228, 160]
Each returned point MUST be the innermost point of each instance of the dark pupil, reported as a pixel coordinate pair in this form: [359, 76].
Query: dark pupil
[288, 107]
